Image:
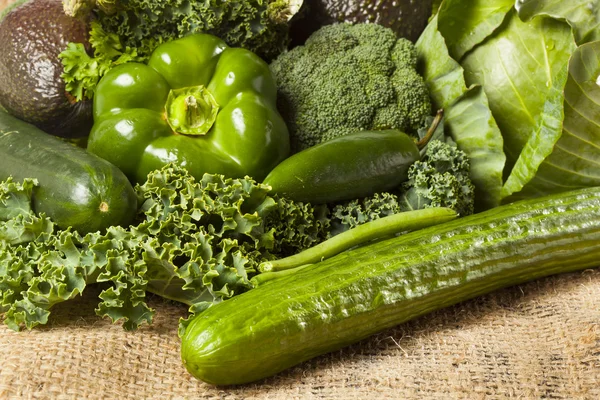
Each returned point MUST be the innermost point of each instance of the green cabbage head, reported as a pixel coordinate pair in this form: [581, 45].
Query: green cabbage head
[520, 83]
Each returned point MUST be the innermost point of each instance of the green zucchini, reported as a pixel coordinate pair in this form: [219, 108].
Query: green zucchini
[345, 168]
[75, 188]
[360, 292]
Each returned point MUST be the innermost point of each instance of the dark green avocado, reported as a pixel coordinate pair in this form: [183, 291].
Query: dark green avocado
[407, 18]
[31, 88]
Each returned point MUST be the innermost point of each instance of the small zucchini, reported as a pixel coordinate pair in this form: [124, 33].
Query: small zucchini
[75, 188]
[362, 291]
[347, 167]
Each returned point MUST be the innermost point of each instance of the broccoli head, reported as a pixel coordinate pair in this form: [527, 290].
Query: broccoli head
[348, 78]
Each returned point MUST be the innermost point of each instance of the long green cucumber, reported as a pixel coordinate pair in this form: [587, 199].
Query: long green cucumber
[75, 188]
[360, 292]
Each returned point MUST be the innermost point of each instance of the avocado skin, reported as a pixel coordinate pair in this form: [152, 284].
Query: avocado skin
[407, 18]
[31, 37]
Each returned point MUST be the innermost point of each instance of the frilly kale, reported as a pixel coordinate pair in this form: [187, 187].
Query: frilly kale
[298, 226]
[257, 25]
[18, 222]
[196, 242]
[82, 72]
[129, 30]
[352, 213]
[439, 179]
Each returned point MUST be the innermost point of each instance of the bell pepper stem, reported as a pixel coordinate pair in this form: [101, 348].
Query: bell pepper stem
[191, 110]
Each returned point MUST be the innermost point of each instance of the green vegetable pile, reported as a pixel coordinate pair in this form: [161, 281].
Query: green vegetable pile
[256, 164]
[439, 179]
[197, 242]
[199, 237]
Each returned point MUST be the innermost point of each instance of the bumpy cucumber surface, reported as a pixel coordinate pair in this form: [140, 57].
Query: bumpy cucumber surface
[360, 292]
[75, 188]
[345, 168]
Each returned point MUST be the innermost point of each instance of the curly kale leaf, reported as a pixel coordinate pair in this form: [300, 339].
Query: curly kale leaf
[124, 31]
[203, 235]
[15, 198]
[18, 222]
[196, 241]
[298, 226]
[37, 275]
[257, 25]
[351, 214]
[439, 179]
[82, 72]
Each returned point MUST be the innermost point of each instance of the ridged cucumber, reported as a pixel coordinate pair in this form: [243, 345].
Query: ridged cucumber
[360, 292]
[75, 188]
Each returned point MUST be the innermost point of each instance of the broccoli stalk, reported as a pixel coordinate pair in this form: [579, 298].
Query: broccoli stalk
[348, 78]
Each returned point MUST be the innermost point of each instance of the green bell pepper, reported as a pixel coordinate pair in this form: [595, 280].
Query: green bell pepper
[198, 103]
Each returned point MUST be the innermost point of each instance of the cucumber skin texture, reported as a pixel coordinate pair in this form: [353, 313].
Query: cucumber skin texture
[73, 185]
[361, 292]
[345, 168]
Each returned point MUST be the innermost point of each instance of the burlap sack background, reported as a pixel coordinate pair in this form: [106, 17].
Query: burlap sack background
[539, 340]
[5, 3]
[534, 341]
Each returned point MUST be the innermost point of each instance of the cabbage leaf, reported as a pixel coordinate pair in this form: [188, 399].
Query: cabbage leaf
[574, 159]
[519, 67]
[536, 62]
[582, 15]
[468, 119]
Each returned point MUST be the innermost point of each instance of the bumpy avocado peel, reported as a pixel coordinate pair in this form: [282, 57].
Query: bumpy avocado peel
[32, 34]
[407, 18]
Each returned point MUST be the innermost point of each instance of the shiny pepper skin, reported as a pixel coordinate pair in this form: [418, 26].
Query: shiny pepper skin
[198, 103]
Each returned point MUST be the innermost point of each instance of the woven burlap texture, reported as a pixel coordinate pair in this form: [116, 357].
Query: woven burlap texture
[533, 341]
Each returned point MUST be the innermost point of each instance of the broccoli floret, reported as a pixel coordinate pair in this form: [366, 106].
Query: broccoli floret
[348, 78]
[439, 179]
